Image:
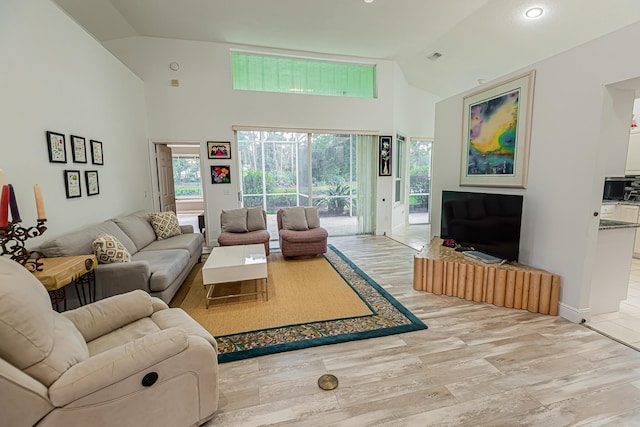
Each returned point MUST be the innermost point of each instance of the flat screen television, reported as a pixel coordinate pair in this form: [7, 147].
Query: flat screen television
[489, 223]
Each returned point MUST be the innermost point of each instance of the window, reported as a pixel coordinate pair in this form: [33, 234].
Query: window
[419, 180]
[186, 175]
[399, 168]
[284, 168]
[302, 76]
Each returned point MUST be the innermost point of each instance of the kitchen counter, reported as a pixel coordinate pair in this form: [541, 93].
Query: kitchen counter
[621, 202]
[610, 224]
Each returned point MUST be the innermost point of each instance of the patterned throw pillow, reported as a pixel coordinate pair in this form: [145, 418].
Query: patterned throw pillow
[108, 249]
[165, 224]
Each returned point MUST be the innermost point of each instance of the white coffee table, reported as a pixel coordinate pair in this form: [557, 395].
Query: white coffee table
[228, 264]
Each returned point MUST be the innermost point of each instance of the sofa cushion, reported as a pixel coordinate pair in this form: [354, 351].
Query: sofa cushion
[165, 266]
[312, 215]
[178, 318]
[138, 227]
[108, 249]
[129, 332]
[36, 339]
[255, 219]
[234, 220]
[294, 219]
[191, 242]
[312, 235]
[165, 224]
[27, 334]
[106, 315]
[69, 348]
[80, 242]
[248, 238]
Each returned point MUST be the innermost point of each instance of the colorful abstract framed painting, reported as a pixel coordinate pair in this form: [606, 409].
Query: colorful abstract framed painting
[495, 136]
[221, 174]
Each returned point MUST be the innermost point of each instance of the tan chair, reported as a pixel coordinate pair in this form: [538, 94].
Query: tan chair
[244, 226]
[300, 233]
[128, 360]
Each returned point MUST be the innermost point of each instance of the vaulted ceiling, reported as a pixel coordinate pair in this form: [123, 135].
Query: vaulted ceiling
[478, 39]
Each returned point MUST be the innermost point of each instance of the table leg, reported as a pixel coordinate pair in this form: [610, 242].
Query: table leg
[88, 280]
[58, 296]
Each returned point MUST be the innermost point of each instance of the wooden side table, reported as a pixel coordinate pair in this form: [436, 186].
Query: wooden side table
[59, 272]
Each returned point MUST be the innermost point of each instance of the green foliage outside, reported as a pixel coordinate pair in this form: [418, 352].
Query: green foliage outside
[252, 182]
[187, 191]
[337, 199]
[186, 176]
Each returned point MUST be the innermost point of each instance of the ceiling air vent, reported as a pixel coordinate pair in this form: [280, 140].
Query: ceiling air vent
[434, 56]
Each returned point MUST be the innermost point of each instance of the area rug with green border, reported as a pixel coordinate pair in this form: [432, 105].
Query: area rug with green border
[374, 313]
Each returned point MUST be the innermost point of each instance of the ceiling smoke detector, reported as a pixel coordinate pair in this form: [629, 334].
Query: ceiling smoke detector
[434, 56]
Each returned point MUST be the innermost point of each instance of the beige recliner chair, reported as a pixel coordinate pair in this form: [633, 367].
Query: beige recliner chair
[128, 360]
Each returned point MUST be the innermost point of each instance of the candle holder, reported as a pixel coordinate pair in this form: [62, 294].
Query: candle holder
[12, 243]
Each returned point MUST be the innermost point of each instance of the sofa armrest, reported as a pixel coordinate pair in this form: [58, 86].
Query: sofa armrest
[186, 229]
[158, 304]
[123, 277]
[107, 315]
[116, 364]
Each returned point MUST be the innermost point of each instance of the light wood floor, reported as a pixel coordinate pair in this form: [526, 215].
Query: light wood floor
[476, 365]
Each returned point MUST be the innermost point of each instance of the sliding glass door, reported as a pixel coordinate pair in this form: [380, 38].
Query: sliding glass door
[282, 169]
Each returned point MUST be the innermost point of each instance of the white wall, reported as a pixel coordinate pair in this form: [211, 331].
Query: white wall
[54, 76]
[570, 145]
[414, 112]
[205, 107]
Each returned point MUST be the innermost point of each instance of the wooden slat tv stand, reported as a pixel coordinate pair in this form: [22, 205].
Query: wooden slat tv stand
[444, 271]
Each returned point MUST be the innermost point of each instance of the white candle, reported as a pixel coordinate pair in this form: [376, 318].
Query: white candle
[39, 202]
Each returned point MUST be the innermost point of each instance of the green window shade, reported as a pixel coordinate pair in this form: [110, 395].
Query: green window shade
[292, 75]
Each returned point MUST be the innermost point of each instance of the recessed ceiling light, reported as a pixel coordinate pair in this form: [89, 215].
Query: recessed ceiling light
[368, 1]
[534, 12]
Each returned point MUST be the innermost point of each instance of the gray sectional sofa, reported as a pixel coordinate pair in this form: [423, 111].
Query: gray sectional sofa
[157, 266]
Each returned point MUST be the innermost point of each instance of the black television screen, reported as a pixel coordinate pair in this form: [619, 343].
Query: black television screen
[489, 223]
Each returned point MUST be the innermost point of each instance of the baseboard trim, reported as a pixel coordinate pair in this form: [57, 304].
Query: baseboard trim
[575, 315]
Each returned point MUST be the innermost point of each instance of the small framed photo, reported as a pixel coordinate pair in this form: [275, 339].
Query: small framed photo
[384, 156]
[96, 152]
[78, 149]
[91, 180]
[218, 150]
[221, 174]
[72, 184]
[57, 147]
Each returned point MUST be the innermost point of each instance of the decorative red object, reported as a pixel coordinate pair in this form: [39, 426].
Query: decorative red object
[4, 206]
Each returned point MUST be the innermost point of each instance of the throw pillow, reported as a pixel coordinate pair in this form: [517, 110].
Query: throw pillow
[294, 219]
[109, 250]
[165, 224]
[234, 221]
[255, 219]
[313, 217]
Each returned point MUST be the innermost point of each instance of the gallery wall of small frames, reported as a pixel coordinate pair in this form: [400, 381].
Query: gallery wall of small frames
[81, 153]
